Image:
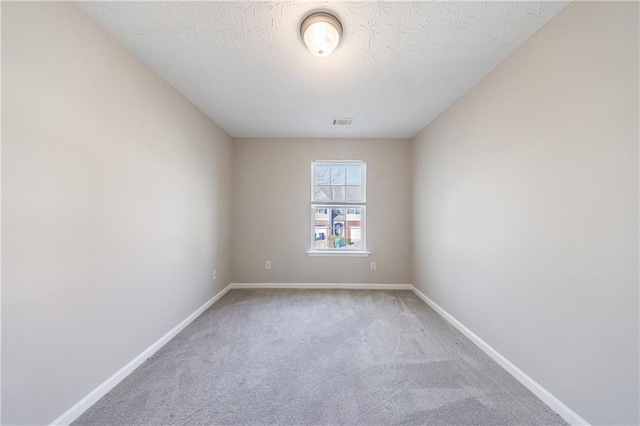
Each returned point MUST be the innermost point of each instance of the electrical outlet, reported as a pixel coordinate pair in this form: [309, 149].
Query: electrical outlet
[267, 264]
[214, 275]
[374, 267]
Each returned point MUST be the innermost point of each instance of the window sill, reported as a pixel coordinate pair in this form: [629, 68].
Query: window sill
[350, 253]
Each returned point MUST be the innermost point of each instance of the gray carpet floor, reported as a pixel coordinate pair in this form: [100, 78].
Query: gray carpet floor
[301, 357]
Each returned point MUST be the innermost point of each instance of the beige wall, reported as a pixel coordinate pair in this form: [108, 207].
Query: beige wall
[526, 209]
[115, 208]
[271, 204]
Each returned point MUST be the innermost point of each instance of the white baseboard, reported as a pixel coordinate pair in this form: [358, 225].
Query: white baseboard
[554, 403]
[92, 397]
[547, 397]
[326, 286]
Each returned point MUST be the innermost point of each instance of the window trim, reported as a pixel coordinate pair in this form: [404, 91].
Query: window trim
[362, 204]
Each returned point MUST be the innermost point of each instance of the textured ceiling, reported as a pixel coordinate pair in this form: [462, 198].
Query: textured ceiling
[400, 64]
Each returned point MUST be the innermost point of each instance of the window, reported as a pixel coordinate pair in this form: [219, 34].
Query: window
[338, 204]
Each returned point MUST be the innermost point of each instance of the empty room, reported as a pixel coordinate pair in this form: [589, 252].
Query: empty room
[320, 213]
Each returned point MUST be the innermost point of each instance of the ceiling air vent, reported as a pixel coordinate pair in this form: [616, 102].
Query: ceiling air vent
[342, 121]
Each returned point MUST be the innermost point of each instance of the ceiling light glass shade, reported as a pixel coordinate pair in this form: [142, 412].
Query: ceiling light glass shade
[321, 33]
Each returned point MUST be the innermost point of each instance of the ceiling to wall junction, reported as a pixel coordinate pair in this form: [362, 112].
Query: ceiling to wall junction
[399, 65]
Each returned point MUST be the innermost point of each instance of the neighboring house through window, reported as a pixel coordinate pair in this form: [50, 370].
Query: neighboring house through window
[338, 204]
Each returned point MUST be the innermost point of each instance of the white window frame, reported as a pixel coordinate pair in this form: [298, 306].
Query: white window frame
[339, 204]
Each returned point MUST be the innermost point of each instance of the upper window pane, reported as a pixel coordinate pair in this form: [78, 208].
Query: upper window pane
[338, 193]
[338, 182]
[321, 174]
[322, 193]
[338, 175]
[354, 193]
[354, 174]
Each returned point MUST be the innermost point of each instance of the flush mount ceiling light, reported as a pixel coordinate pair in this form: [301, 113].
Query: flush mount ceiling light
[321, 33]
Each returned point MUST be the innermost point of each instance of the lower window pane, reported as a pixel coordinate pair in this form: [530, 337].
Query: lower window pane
[322, 234]
[340, 228]
[354, 238]
[338, 220]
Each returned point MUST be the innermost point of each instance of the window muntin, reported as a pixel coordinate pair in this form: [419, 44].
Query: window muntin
[338, 205]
